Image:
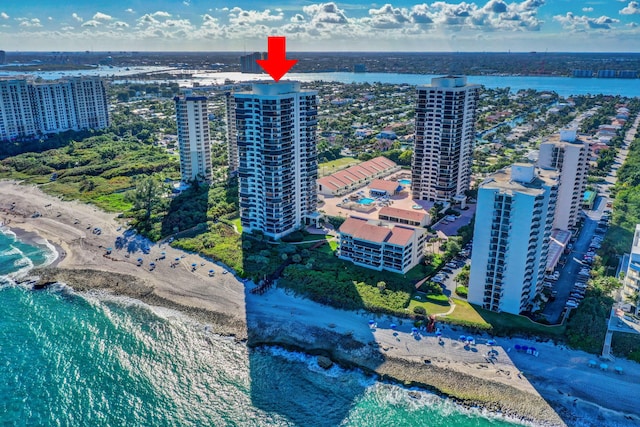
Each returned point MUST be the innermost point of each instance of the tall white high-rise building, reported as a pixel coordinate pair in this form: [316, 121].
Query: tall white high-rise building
[514, 217]
[232, 141]
[194, 144]
[444, 137]
[54, 106]
[570, 156]
[16, 115]
[276, 136]
[29, 109]
[90, 97]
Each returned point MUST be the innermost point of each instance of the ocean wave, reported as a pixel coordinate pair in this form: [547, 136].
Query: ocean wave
[8, 232]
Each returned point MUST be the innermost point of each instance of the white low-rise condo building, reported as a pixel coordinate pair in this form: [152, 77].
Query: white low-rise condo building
[381, 245]
[514, 217]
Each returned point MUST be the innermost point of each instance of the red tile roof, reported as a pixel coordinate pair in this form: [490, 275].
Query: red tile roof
[381, 184]
[413, 215]
[361, 229]
[356, 173]
[401, 235]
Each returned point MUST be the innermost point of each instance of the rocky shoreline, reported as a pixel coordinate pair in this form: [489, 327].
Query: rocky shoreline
[342, 349]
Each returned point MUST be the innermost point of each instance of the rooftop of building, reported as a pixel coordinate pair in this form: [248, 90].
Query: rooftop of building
[411, 215]
[513, 179]
[377, 231]
[357, 172]
[567, 139]
[384, 185]
[268, 88]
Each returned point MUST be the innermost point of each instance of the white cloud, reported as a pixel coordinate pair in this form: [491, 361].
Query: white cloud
[76, 17]
[388, 17]
[4, 15]
[30, 23]
[50, 18]
[297, 18]
[574, 22]
[99, 16]
[119, 25]
[633, 8]
[328, 13]
[130, 10]
[67, 28]
[91, 23]
[161, 14]
[587, 9]
[240, 16]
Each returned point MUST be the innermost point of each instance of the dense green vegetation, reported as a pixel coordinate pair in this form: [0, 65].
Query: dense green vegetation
[626, 207]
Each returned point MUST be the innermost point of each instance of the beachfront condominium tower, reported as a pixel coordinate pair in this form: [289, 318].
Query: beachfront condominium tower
[193, 138]
[514, 217]
[444, 136]
[232, 141]
[16, 115]
[90, 97]
[30, 109]
[276, 137]
[568, 154]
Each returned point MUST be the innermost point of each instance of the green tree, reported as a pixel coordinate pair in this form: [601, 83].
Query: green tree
[381, 286]
[462, 278]
[147, 195]
[605, 285]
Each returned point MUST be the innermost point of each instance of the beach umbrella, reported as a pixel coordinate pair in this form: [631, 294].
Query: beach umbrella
[414, 329]
[492, 342]
[469, 338]
[393, 326]
[463, 337]
[194, 265]
[177, 259]
[139, 259]
[525, 348]
[532, 349]
[163, 253]
[518, 347]
[210, 271]
[372, 322]
[109, 249]
[438, 334]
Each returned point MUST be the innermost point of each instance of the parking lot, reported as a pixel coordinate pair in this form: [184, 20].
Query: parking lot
[570, 284]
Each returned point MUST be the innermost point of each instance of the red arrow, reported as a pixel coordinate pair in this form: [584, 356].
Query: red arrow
[276, 64]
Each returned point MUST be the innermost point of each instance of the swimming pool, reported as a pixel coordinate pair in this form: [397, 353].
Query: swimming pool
[405, 181]
[366, 201]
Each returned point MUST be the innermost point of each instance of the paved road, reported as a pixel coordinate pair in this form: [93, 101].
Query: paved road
[569, 272]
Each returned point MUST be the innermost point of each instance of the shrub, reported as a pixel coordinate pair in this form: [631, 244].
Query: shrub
[419, 310]
[462, 291]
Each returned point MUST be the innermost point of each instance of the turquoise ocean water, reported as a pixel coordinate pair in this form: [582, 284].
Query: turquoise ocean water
[99, 360]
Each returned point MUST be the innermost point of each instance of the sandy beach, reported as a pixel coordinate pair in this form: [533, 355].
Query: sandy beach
[555, 388]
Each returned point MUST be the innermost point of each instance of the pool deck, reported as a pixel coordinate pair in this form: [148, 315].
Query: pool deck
[402, 200]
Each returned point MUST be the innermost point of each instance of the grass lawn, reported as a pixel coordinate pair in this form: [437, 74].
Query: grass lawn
[434, 304]
[238, 224]
[507, 324]
[466, 313]
[328, 168]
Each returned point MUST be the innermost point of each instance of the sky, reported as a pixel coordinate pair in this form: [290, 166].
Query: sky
[354, 25]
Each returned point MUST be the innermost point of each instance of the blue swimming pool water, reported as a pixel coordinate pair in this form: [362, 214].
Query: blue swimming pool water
[366, 201]
[405, 181]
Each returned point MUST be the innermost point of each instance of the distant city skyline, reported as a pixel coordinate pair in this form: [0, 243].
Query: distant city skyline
[194, 25]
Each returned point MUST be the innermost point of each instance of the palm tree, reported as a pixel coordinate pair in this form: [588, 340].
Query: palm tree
[634, 299]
